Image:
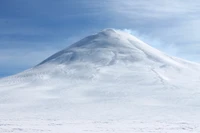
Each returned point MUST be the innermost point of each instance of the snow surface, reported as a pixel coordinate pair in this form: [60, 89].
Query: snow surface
[107, 82]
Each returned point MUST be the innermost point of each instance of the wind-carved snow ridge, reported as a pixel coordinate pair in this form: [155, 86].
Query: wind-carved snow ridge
[107, 82]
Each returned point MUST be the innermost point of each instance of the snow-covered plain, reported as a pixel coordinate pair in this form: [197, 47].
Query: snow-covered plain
[107, 82]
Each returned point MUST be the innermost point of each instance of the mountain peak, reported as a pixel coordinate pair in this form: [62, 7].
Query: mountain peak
[108, 38]
[109, 47]
[108, 31]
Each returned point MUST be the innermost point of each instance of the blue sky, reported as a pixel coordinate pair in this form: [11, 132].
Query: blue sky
[32, 30]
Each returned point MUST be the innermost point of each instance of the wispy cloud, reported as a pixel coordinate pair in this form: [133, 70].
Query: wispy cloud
[171, 49]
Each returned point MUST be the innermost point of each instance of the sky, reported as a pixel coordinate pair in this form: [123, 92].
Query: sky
[32, 30]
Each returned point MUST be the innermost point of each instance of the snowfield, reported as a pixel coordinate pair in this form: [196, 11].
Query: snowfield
[110, 82]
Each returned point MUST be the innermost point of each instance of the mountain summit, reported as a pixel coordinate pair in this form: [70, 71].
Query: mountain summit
[109, 47]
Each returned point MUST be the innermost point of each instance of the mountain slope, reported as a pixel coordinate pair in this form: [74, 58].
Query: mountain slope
[107, 76]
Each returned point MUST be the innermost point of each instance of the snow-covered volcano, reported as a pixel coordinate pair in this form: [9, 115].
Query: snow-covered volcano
[111, 75]
[110, 47]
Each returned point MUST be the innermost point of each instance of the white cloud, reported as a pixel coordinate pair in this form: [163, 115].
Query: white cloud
[155, 8]
[155, 42]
